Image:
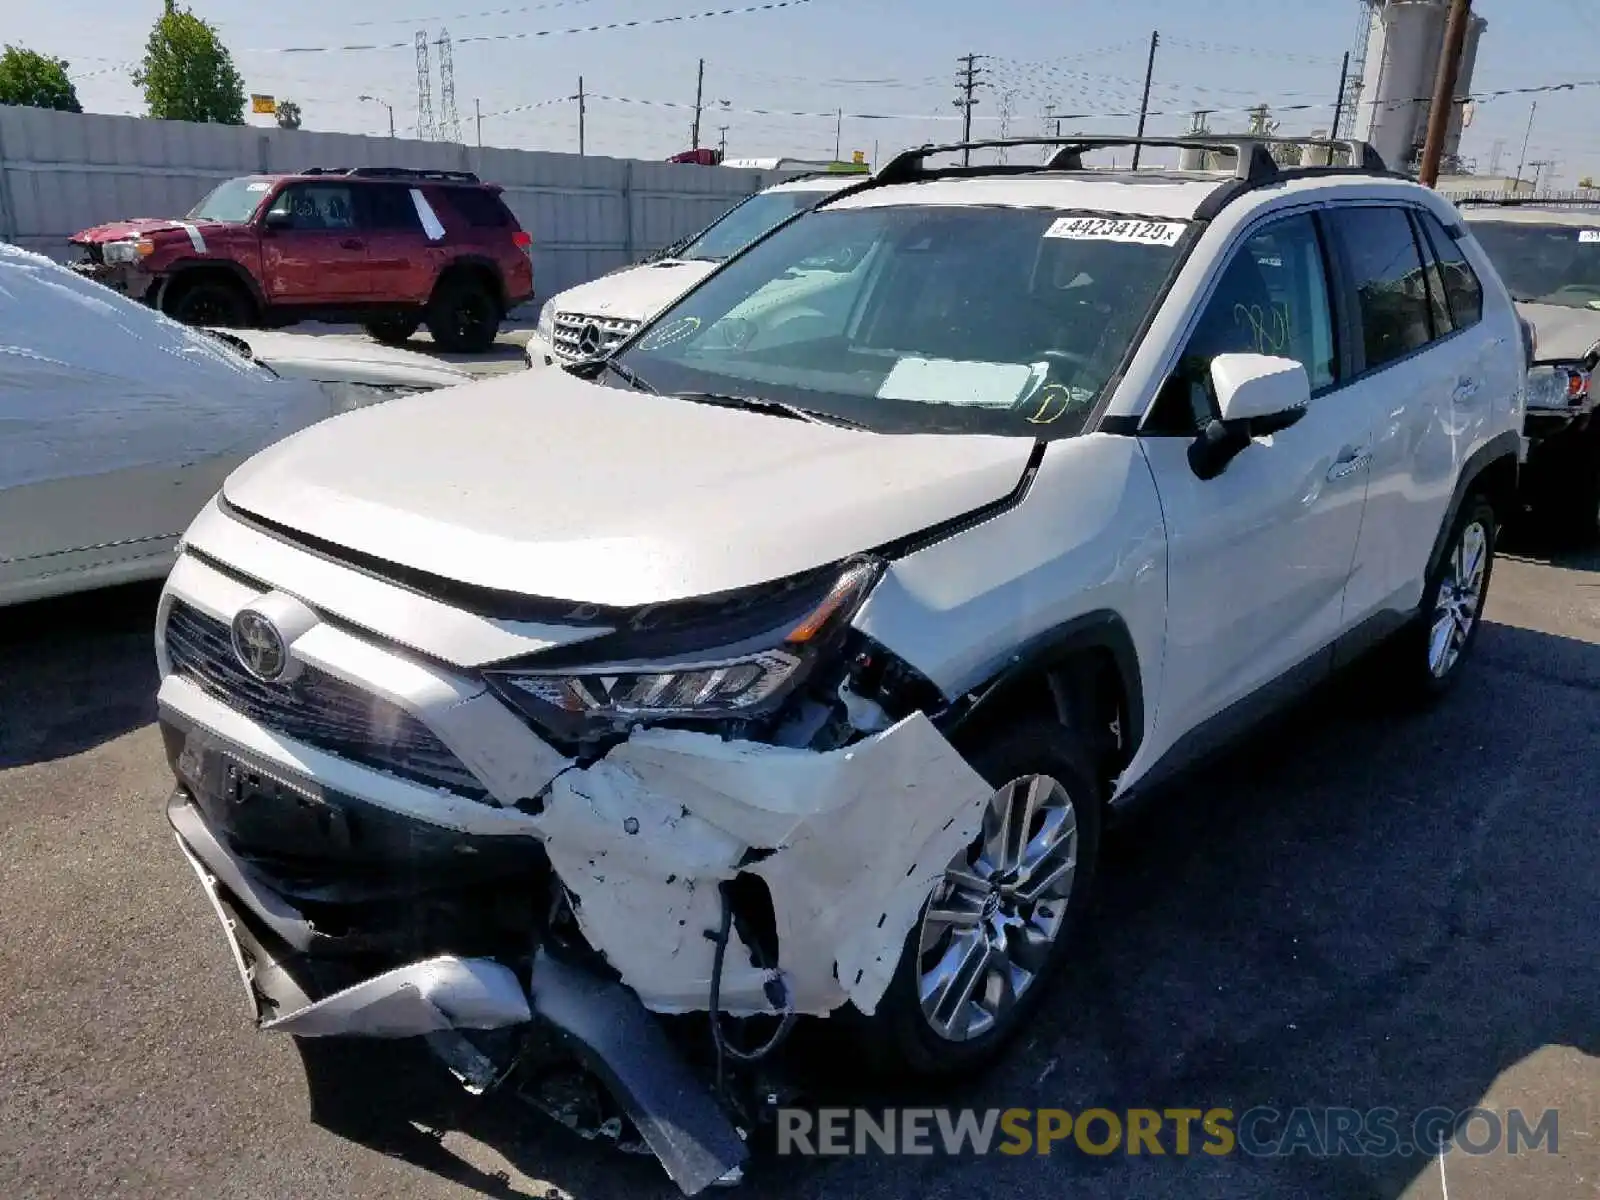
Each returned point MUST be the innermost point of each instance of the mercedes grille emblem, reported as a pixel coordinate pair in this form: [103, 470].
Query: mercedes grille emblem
[259, 645]
[589, 340]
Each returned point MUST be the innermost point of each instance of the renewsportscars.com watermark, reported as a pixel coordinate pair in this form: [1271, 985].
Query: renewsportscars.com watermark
[1259, 1132]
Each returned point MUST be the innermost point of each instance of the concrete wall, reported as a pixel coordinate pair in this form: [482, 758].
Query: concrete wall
[63, 172]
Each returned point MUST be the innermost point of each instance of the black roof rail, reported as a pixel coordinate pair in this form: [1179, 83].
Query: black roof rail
[397, 173]
[1253, 156]
[1532, 201]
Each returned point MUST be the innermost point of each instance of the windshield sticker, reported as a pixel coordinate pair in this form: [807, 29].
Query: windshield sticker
[1111, 229]
[1053, 402]
[1589, 235]
[972, 384]
[256, 187]
[670, 334]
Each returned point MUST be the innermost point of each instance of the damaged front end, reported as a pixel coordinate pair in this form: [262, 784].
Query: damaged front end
[749, 833]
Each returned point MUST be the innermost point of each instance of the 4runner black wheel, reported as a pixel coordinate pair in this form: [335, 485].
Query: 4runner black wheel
[463, 317]
[977, 963]
[1427, 656]
[219, 302]
[392, 331]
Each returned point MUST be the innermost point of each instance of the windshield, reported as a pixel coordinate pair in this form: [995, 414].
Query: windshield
[1545, 264]
[748, 221]
[914, 319]
[233, 202]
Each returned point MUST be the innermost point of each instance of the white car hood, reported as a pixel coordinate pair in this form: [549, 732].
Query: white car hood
[1565, 334]
[546, 485]
[636, 293]
[335, 359]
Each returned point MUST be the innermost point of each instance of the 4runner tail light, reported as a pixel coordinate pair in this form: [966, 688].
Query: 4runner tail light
[523, 240]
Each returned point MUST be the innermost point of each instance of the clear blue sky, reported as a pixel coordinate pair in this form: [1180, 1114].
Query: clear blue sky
[887, 57]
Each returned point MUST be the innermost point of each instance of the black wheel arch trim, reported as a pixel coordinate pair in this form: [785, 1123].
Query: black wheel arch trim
[183, 268]
[476, 263]
[1498, 449]
[1045, 653]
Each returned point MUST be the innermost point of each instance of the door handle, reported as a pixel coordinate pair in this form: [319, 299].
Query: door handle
[352, 244]
[1350, 462]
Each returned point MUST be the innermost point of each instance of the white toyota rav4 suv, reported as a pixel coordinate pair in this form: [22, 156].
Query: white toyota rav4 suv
[790, 664]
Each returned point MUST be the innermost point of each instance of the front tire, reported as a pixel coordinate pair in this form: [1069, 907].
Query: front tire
[218, 302]
[463, 317]
[976, 965]
[1428, 656]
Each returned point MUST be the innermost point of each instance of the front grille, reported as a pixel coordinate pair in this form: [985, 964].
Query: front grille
[609, 333]
[315, 708]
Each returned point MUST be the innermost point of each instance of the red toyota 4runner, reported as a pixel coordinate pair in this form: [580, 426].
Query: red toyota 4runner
[387, 247]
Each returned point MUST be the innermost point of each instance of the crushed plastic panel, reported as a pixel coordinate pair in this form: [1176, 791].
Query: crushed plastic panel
[432, 996]
[857, 838]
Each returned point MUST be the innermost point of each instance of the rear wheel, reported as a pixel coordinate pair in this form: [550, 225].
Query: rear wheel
[216, 301]
[1427, 657]
[463, 316]
[975, 967]
[392, 331]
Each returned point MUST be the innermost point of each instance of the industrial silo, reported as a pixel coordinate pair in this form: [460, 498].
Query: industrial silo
[1404, 44]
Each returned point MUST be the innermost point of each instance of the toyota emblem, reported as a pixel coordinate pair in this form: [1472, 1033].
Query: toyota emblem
[589, 340]
[260, 646]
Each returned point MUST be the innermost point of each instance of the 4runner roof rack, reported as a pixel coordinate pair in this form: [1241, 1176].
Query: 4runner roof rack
[397, 173]
[1253, 157]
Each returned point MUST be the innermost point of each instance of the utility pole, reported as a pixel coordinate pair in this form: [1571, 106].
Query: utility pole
[699, 97]
[1444, 90]
[1526, 138]
[1538, 165]
[838, 134]
[582, 113]
[1144, 105]
[1338, 105]
[722, 147]
[477, 111]
[969, 81]
[387, 105]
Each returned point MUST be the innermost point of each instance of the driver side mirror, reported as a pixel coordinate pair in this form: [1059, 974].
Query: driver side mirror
[1257, 395]
[277, 220]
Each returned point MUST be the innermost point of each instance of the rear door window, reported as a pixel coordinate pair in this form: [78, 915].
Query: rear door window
[1462, 288]
[1391, 290]
[387, 207]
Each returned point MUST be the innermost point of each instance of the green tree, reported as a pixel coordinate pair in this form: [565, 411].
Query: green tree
[187, 73]
[35, 81]
[288, 115]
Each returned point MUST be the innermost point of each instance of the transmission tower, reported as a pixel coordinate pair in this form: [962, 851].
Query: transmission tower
[449, 120]
[425, 126]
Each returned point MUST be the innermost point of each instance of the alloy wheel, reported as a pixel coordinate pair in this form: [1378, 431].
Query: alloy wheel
[993, 920]
[1458, 607]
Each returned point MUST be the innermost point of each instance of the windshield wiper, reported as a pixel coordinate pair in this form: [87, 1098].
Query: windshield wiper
[773, 408]
[628, 374]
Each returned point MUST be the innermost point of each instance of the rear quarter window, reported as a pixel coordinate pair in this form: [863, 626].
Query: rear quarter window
[479, 208]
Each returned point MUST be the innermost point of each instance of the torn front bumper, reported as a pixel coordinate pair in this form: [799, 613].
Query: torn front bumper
[122, 277]
[297, 978]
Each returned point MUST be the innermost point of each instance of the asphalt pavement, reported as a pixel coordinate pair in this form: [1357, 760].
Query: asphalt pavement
[1363, 908]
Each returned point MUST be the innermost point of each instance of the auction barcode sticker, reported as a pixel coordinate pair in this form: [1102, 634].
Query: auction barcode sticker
[1589, 235]
[1116, 229]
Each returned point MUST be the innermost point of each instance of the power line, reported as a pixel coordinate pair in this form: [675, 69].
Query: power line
[530, 35]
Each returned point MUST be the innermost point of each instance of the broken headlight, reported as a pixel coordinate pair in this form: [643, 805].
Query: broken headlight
[1557, 386]
[744, 678]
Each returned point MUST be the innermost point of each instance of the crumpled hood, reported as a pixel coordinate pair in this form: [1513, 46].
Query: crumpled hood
[118, 231]
[636, 293]
[1565, 334]
[334, 359]
[546, 485]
